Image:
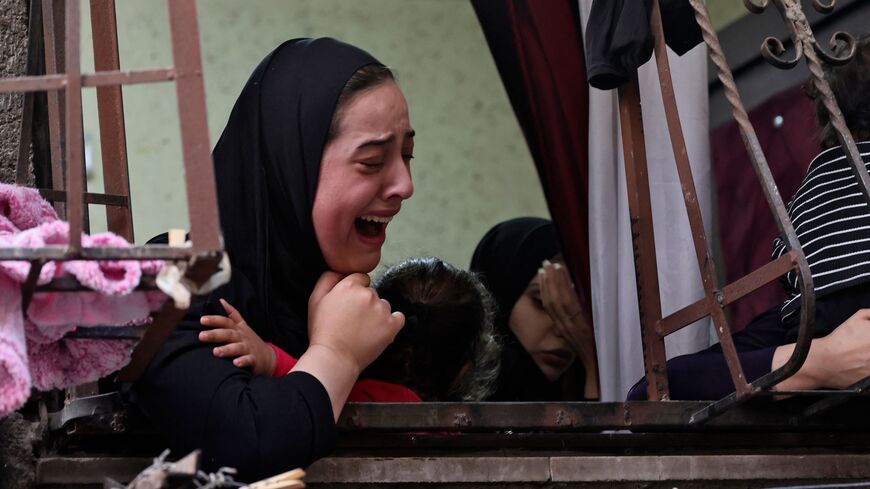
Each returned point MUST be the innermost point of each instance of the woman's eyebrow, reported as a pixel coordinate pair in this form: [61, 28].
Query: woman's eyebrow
[375, 142]
[384, 140]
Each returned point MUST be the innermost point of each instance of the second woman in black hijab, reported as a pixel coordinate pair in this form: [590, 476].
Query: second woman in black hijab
[544, 328]
[312, 165]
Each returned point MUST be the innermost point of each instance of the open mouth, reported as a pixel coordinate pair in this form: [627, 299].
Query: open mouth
[372, 226]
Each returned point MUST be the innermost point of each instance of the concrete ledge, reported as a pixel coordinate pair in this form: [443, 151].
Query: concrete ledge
[430, 469]
[510, 468]
[709, 467]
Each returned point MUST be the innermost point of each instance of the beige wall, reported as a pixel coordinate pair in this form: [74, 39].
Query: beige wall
[472, 168]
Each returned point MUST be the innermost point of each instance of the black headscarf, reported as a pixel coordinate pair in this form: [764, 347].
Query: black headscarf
[267, 163]
[507, 259]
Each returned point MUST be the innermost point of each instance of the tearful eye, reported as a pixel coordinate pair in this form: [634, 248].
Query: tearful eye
[408, 158]
[371, 165]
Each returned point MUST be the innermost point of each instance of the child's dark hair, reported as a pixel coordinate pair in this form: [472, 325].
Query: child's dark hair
[851, 86]
[447, 350]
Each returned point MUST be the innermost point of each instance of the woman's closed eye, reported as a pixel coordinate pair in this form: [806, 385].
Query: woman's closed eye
[372, 165]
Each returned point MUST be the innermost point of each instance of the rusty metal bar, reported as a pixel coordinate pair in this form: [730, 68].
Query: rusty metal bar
[89, 197]
[643, 239]
[25, 133]
[113, 138]
[200, 269]
[730, 293]
[696, 222]
[62, 253]
[113, 77]
[107, 333]
[48, 83]
[806, 46]
[199, 172]
[52, 29]
[74, 157]
[862, 387]
[33, 83]
[774, 201]
[29, 285]
[577, 417]
[68, 283]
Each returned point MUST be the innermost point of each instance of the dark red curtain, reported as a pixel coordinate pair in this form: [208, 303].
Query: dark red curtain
[538, 49]
[787, 132]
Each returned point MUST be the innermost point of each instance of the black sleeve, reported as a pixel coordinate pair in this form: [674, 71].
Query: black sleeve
[260, 425]
[704, 375]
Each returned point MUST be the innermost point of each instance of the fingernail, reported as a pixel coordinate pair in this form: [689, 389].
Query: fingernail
[547, 262]
[541, 271]
[557, 266]
[202, 336]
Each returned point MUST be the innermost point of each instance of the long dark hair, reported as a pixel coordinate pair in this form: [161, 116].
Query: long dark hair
[851, 86]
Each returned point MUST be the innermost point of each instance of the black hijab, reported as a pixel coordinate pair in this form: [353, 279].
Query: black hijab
[507, 259]
[267, 163]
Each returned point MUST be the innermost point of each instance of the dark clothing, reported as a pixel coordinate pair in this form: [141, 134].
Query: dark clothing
[832, 222]
[704, 375]
[507, 259]
[619, 39]
[259, 424]
[266, 163]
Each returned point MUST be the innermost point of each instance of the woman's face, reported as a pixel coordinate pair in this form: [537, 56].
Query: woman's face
[536, 331]
[364, 177]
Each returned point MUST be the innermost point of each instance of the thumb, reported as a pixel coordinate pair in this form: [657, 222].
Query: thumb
[324, 285]
[398, 320]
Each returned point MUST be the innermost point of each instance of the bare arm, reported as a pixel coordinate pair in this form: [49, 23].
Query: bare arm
[349, 326]
[835, 361]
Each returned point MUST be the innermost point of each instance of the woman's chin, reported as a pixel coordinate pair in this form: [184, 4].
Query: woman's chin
[358, 264]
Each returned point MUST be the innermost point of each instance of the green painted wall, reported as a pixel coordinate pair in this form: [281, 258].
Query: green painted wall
[724, 12]
[472, 167]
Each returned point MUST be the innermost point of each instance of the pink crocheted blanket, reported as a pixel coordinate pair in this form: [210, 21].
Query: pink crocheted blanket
[33, 350]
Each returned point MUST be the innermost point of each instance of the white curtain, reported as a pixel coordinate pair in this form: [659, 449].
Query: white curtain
[614, 293]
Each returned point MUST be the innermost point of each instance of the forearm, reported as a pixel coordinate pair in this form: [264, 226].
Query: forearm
[334, 371]
[811, 374]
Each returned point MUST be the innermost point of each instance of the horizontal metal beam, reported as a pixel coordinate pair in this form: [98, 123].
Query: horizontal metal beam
[576, 417]
[62, 253]
[52, 195]
[44, 83]
[109, 78]
[511, 468]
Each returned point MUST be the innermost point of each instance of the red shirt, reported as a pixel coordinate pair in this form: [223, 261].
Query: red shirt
[365, 390]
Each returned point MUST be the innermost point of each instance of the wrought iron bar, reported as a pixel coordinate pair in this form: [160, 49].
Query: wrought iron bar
[777, 207]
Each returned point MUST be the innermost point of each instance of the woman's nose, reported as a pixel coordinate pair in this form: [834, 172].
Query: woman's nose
[399, 182]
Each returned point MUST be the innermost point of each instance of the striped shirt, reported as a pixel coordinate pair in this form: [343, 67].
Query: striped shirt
[832, 221]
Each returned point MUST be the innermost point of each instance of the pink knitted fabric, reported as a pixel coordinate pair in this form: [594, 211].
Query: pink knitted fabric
[15, 379]
[33, 350]
[22, 208]
[75, 361]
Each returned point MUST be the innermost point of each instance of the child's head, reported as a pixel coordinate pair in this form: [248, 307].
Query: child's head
[447, 350]
[851, 86]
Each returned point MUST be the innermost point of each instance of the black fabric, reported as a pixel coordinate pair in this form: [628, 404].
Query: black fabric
[619, 39]
[267, 164]
[704, 375]
[507, 259]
